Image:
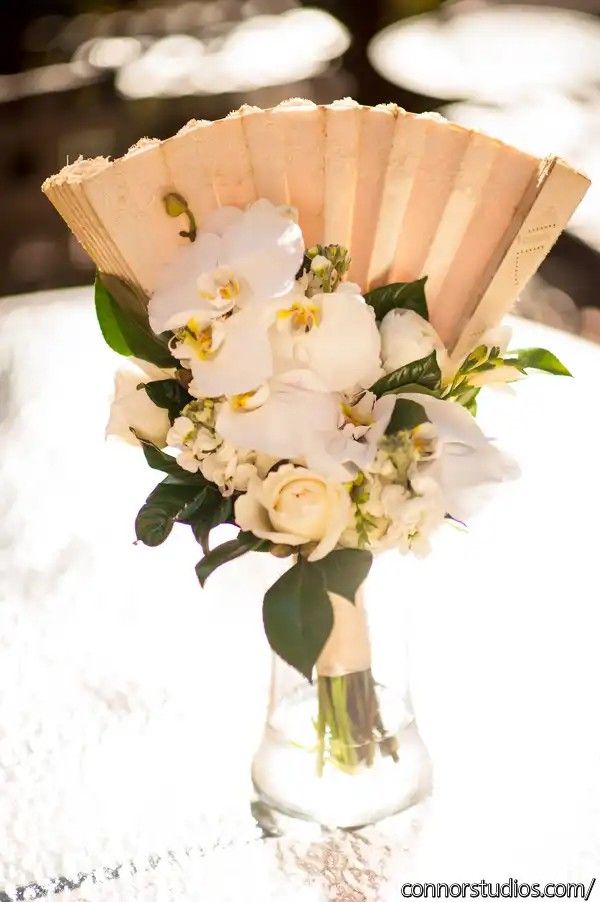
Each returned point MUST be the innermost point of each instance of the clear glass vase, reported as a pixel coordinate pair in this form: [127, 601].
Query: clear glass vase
[345, 750]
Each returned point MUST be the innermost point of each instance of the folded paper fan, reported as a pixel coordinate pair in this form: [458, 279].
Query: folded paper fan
[410, 195]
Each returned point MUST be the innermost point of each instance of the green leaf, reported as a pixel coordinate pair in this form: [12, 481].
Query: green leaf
[298, 616]
[399, 296]
[345, 570]
[411, 388]
[126, 334]
[166, 463]
[406, 415]
[168, 394]
[228, 551]
[537, 359]
[164, 505]
[212, 510]
[468, 399]
[424, 372]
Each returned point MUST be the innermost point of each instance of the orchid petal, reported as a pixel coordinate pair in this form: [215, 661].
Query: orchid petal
[243, 362]
[266, 247]
[176, 298]
[280, 427]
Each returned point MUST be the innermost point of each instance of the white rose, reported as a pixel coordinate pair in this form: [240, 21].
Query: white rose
[132, 408]
[294, 506]
[405, 337]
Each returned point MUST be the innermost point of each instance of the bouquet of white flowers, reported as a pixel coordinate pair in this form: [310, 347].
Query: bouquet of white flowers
[325, 423]
[281, 386]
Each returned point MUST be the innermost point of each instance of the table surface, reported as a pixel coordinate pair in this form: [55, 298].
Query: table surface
[132, 702]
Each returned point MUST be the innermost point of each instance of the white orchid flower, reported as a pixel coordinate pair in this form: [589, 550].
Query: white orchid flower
[467, 462]
[215, 295]
[341, 452]
[283, 419]
[133, 409]
[335, 335]
[406, 337]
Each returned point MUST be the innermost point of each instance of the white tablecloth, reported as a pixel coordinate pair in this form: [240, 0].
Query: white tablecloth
[131, 701]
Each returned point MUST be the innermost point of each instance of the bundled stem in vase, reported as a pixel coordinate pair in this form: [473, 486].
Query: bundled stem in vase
[349, 725]
[350, 729]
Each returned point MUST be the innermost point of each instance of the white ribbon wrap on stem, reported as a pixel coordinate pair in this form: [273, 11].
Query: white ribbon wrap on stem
[348, 649]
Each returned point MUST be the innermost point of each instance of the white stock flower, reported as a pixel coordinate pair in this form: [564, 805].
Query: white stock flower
[215, 295]
[295, 506]
[406, 337]
[133, 409]
[229, 468]
[467, 462]
[335, 335]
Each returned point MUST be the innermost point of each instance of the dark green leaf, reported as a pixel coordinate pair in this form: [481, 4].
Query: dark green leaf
[298, 616]
[228, 551]
[166, 463]
[406, 415]
[164, 505]
[168, 394]
[411, 388]
[211, 510]
[399, 295]
[537, 359]
[126, 334]
[345, 570]
[425, 372]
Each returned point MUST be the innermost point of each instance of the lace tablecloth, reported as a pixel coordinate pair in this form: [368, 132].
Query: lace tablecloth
[131, 702]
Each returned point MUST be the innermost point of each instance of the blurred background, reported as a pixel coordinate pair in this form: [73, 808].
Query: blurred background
[92, 76]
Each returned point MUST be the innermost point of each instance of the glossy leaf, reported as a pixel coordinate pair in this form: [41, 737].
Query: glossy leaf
[399, 295]
[537, 359]
[228, 551]
[298, 616]
[406, 415]
[164, 505]
[424, 372]
[126, 334]
[168, 394]
[345, 570]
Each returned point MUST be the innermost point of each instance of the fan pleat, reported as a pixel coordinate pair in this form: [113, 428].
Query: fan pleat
[377, 132]
[409, 195]
[303, 132]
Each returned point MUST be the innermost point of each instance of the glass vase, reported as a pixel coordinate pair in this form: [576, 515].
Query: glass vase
[345, 750]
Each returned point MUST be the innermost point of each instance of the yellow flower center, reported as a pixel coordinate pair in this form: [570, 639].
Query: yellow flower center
[249, 400]
[199, 339]
[303, 317]
[219, 287]
[354, 416]
[422, 440]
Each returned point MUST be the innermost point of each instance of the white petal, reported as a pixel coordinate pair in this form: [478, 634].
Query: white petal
[221, 219]
[468, 462]
[284, 426]
[343, 350]
[342, 511]
[405, 337]
[132, 408]
[243, 362]
[252, 516]
[266, 248]
[176, 299]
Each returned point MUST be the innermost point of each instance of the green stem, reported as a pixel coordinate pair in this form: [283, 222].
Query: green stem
[349, 727]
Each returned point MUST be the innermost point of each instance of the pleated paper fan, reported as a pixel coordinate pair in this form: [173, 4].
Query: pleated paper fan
[409, 195]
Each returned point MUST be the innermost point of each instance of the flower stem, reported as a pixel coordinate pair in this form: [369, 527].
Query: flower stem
[349, 726]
